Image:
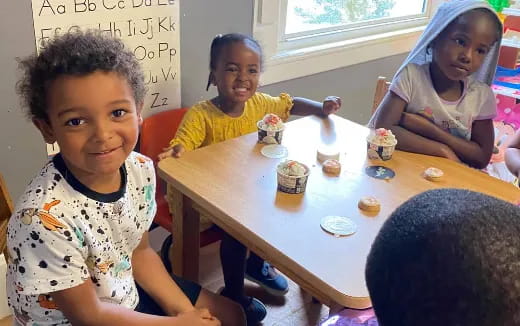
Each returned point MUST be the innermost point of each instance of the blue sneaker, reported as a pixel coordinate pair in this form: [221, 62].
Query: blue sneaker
[254, 309]
[268, 278]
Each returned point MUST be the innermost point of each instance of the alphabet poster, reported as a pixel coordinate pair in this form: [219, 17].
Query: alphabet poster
[150, 28]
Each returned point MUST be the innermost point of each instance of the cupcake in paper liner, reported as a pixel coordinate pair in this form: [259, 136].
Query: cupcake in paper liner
[381, 144]
[270, 129]
[292, 177]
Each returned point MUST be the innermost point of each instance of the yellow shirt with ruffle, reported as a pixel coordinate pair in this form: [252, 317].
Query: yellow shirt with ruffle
[205, 124]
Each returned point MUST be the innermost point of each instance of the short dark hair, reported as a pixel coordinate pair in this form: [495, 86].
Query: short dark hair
[220, 41]
[76, 53]
[447, 257]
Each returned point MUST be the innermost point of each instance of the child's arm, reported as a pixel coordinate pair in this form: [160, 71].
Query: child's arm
[389, 116]
[475, 152]
[304, 107]
[189, 136]
[513, 155]
[150, 274]
[82, 307]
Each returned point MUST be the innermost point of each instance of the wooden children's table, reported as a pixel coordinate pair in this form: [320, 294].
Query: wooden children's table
[237, 186]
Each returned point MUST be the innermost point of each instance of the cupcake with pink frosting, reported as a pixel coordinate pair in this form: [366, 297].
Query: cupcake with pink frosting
[270, 129]
[381, 144]
[292, 176]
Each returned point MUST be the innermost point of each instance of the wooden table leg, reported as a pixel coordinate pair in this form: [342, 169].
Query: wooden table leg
[334, 308]
[184, 253]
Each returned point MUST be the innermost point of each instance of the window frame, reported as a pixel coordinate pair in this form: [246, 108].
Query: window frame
[302, 55]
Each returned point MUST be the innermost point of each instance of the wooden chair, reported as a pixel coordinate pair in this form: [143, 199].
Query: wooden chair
[6, 209]
[382, 87]
[156, 132]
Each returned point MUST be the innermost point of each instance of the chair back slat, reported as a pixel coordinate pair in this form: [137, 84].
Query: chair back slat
[382, 87]
[6, 209]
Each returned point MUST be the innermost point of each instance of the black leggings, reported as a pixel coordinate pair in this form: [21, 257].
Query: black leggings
[233, 258]
[148, 305]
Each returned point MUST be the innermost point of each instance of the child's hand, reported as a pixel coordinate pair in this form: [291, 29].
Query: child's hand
[331, 104]
[197, 317]
[176, 151]
[448, 153]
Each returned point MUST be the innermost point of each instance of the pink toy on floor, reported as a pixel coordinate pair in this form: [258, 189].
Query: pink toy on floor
[352, 317]
[505, 125]
[508, 111]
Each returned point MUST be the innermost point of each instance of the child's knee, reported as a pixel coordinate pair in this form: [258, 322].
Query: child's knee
[234, 314]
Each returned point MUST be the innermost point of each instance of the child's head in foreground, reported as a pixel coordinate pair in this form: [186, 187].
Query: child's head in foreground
[447, 257]
[235, 64]
[85, 91]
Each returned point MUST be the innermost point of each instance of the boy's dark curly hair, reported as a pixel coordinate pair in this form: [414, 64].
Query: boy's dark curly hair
[77, 53]
[447, 257]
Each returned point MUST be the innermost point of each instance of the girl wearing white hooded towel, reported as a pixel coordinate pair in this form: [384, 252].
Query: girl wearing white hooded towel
[440, 102]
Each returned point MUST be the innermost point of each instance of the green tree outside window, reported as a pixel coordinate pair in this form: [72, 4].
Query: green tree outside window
[346, 11]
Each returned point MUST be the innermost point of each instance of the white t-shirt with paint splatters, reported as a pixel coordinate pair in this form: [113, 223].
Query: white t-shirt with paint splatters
[414, 85]
[63, 233]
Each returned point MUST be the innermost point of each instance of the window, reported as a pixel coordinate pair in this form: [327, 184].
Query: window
[312, 15]
[302, 37]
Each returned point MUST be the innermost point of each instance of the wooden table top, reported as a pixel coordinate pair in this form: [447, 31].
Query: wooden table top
[238, 185]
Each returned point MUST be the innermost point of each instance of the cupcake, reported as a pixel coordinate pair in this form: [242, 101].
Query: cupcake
[270, 129]
[433, 174]
[327, 153]
[381, 144]
[292, 177]
[369, 204]
[332, 166]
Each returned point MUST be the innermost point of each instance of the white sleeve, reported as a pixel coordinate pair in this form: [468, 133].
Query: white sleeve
[402, 84]
[47, 254]
[152, 204]
[143, 172]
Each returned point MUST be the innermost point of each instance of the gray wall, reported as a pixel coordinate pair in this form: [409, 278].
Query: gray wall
[21, 146]
[23, 151]
[201, 20]
[354, 84]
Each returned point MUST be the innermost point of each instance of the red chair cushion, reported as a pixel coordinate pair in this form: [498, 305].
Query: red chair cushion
[163, 216]
[156, 132]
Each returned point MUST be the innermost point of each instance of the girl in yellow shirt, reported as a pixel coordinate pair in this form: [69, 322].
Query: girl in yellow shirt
[235, 66]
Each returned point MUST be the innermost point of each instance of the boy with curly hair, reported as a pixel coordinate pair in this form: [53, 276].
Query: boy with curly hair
[447, 257]
[78, 240]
